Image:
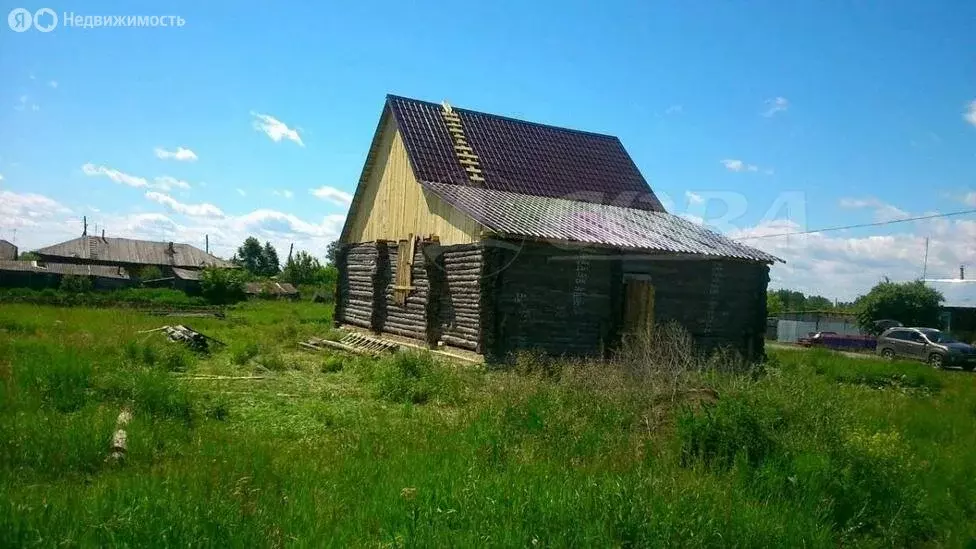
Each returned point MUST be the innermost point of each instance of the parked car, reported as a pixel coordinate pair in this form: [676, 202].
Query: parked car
[927, 344]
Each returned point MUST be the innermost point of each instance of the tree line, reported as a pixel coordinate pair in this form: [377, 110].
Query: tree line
[262, 261]
[911, 303]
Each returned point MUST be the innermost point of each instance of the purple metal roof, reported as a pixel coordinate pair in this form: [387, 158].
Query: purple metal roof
[511, 214]
[522, 157]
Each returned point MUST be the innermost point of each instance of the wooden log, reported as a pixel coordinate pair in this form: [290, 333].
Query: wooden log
[459, 342]
[405, 333]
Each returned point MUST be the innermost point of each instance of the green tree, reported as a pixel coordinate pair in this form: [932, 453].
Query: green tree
[774, 305]
[150, 272]
[818, 303]
[29, 256]
[269, 261]
[250, 256]
[302, 268]
[331, 251]
[911, 303]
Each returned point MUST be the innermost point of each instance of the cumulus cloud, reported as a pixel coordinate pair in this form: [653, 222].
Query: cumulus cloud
[969, 115]
[92, 170]
[736, 165]
[776, 105]
[333, 195]
[181, 154]
[275, 129]
[882, 210]
[26, 209]
[192, 210]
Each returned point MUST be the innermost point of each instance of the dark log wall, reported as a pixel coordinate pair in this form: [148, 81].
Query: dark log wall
[459, 315]
[410, 319]
[550, 299]
[722, 303]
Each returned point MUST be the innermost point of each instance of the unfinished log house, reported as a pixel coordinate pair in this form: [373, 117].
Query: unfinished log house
[495, 235]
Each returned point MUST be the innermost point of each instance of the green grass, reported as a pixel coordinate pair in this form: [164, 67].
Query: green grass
[816, 449]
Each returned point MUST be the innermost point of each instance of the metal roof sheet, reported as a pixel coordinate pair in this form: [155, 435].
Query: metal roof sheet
[586, 222]
[102, 271]
[127, 250]
[522, 157]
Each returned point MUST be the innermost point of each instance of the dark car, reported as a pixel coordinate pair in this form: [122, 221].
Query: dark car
[927, 344]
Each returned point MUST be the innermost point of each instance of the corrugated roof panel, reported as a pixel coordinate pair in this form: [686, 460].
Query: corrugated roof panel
[127, 250]
[587, 222]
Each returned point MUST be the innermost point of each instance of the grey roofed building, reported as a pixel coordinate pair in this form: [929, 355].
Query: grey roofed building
[127, 251]
[101, 271]
[7, 250]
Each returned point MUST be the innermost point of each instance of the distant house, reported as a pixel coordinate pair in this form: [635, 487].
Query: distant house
[498, 235]
[7, 250]
[39, 275]
[171, 258]
[271, 289]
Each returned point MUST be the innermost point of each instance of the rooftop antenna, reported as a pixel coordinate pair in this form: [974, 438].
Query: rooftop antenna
[84, 229]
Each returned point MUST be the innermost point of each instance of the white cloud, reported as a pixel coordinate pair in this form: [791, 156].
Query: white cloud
[333, 195]
[882, 210]
[27, 208]
[776, 105]
[275, 129]
[284, 193]
[241, 192]
[969, 115]
[674, 109]
[842, 266]
[735, 165]
[92, 170]
[694, 198]
[166, 183]
[181, 153]
[969, 199]
[192, 210]
[53, 83]
[24, 103]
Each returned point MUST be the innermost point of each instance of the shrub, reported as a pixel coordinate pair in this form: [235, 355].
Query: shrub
[414, 377]
[72, 284]
[721, 433]
[150, 272]
[242, 353]
[223, 285]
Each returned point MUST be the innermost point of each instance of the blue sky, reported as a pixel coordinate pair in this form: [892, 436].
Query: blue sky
[849, 112]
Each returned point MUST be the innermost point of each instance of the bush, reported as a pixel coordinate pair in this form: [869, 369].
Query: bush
[223, 285]
[72, 284]
[414, 377]
[721, 433]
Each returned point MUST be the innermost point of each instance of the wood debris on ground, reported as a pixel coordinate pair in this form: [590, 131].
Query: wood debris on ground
[184, 334]
[354, 343]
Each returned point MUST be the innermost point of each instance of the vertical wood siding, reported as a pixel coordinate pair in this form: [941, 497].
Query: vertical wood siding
[393, 204]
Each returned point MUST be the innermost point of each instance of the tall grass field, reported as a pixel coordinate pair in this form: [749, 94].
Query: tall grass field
[261, 444]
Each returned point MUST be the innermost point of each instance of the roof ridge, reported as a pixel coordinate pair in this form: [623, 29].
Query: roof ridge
[503, 117]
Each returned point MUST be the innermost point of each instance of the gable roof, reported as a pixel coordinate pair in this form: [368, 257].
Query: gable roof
[521, 157]
[127, 250]
[101, 271]
[510, 214]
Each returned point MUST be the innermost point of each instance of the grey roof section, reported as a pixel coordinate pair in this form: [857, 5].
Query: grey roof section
[274, 288]
[586, 222]
[187, 274]
[101, 271]
[127, 250]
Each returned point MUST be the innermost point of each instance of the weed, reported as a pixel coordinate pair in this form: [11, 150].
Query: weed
[332, 364]
[242, 353]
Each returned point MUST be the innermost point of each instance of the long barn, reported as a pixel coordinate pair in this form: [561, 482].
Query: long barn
[496, 235]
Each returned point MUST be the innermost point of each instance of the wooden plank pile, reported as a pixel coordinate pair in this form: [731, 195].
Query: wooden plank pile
[353, 343]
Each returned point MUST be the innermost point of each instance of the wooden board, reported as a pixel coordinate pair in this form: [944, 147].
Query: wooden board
[638, 306]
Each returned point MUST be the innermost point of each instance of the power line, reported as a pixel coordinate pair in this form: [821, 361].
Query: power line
[859, 225]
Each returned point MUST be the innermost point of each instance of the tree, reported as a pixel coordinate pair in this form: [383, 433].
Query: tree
[250, 255]
[774, 305]
[269, 261]
[911, 303]
[257, 260]
[303, 268]
[29, 256]
[331, 251]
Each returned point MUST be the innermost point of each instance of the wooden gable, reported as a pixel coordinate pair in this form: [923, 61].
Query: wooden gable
[390, 203]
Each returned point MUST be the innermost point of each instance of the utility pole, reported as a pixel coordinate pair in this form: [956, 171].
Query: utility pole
[84, 229]
[207, 242]
[925, 265]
